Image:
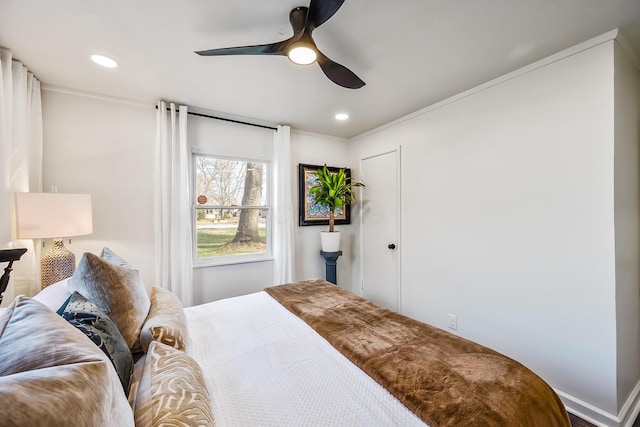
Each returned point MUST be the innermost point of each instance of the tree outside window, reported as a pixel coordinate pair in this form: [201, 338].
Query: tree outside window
[231, 207]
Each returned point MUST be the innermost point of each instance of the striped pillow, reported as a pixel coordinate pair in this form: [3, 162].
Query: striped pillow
[166, 322]
[172, 390]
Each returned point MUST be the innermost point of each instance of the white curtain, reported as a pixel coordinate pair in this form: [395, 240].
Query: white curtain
[283, 269]
[173, 234]
[20, 163]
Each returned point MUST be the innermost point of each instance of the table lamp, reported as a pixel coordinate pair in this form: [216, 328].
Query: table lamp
[53, 215]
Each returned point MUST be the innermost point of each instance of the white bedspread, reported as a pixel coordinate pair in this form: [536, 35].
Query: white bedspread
[266, 367]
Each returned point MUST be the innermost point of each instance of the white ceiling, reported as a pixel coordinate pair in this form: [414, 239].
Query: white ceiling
[411, 53]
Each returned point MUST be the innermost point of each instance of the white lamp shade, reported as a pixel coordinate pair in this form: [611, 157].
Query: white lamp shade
[53, 215]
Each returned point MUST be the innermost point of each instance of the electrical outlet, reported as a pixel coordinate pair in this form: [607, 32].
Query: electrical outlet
[453, 322]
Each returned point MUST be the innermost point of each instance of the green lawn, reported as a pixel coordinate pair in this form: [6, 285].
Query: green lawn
[216, 242]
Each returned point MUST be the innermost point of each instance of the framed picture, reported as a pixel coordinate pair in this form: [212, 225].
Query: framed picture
[310, 212]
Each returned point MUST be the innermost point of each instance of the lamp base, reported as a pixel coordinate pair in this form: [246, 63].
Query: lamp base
[56, 265]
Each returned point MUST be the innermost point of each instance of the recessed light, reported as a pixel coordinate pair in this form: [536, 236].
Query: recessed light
[342, 116]
[105, 61]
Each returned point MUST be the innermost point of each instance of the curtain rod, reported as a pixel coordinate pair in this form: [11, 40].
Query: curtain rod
[226, 119]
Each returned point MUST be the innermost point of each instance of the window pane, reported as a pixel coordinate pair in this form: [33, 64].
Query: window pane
[222, 232]
[223, 182]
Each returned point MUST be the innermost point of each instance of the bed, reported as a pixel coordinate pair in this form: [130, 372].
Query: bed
[311, 353]
[301, 354]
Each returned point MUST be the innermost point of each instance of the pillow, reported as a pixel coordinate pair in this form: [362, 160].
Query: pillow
[108, 255]
[116, 290]
[138, 367]
[99, 328]
[172, 390]
[166, 322]
[54, 295]
[50, 374]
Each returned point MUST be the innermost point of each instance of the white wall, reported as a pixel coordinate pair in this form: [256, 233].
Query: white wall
[508, 220]
[105, 148]
[627, 218]
[316, 149]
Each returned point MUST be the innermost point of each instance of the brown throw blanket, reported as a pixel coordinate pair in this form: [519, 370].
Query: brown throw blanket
[444, 379]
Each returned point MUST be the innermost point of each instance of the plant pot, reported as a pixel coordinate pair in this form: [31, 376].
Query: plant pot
[330, 241]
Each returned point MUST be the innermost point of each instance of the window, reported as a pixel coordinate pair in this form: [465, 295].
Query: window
[231, 210]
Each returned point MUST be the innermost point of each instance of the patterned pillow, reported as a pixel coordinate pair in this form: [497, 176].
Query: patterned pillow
[99, 328]
[50, 374]
[172, 391]
[116, 290]
[166, 322]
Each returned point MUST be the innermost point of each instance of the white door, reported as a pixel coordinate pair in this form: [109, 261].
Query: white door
[380, 229]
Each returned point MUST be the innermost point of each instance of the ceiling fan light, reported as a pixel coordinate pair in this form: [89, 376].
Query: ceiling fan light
[302, 54]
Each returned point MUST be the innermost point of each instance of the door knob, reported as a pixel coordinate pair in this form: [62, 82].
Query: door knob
[391, 246]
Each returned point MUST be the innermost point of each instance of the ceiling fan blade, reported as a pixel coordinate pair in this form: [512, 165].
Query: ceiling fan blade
[339, 74]
[297, 19]
[320, 11]
[278, 48]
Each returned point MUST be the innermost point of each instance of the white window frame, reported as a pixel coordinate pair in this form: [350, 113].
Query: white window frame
[231, 259]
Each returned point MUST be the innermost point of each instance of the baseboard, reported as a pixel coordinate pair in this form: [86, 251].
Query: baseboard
[631, 407]
[588, 412]
[600, 418]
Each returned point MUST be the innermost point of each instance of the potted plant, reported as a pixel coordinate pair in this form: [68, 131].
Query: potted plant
[333, 190]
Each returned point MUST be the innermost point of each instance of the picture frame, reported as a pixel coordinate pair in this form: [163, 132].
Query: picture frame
[309, 212]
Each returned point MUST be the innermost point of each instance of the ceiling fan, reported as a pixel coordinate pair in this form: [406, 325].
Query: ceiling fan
[300, 48]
